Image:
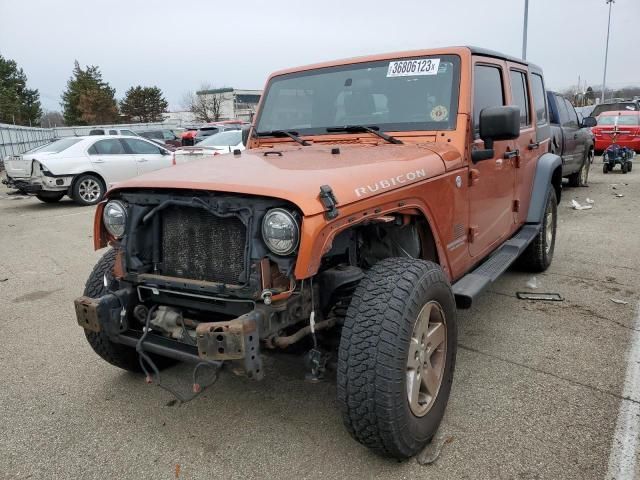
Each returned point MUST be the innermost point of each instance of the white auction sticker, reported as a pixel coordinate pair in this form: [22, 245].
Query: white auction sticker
[418, 66]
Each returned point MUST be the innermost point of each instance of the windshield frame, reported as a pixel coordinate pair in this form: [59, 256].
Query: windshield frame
[454, 106]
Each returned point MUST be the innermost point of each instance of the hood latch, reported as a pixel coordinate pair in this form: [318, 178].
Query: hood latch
[328, 200]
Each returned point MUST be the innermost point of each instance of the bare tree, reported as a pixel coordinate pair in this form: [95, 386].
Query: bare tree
[52, 119]
[205, 104]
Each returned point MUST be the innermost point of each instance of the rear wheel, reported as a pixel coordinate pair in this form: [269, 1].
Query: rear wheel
[538, 255]
[50, 197]
[397, 356]
[581, 177]
[88, 190]
[116, 354]
[605, 168]
[625, 167]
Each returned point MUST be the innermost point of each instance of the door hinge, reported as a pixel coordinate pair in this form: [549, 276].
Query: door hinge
[516, 205]
[473, 233]
[474, 177]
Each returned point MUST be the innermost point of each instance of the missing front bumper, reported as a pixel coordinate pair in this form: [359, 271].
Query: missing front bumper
[235, 341]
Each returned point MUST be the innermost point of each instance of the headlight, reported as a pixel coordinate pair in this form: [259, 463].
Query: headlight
[114, 217]
[280, 231]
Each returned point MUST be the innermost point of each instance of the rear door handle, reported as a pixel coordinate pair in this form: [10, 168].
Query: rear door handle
[142, 160]
[575, 137]
[98, 160]
[511, 153]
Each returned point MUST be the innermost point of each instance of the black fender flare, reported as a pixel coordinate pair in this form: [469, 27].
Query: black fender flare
[548, 175]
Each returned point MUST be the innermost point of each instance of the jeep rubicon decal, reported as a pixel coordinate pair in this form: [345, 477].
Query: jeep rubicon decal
[391, 182]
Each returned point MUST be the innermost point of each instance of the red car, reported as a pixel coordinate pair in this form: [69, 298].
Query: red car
[623, 127]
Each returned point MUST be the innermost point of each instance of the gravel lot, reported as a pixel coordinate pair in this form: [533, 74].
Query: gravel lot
[536, 394]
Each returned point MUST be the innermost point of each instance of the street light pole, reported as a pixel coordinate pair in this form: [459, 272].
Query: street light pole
[524, 29]
[606, 52]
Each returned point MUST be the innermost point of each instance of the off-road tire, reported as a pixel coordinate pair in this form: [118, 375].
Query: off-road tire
[605, 168]
[373, 354]
[580, 178]
[50, 197]
[538, 255]
[116, 354]
[82, 198]
[625, 168]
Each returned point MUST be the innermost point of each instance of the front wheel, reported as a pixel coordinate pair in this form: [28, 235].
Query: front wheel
[538, 255]
[605, 168]
[397, 356]
[121, 356]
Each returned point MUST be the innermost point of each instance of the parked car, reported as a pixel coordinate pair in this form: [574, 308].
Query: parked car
[386, 192]
[220, 143]
[195, 135]
[630, 106]
[166, 136]
[571, 138]
[112, 131]
[83, 167]
[625, 125]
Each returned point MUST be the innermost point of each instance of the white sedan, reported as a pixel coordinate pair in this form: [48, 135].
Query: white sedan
[216, 144]
[83, 167]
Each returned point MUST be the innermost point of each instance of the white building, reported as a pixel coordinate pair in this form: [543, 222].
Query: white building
[236, 104]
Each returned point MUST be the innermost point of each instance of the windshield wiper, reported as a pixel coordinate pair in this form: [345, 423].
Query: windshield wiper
[362, 128]
[284, 133]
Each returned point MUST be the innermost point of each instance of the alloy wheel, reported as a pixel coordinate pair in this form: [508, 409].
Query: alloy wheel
[89, 190]
[427, 358]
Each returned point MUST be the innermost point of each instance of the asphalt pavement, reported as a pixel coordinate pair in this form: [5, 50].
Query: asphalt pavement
[536, 395]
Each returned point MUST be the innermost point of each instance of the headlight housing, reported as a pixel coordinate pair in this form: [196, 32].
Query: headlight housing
[114, 217]
[280, 231]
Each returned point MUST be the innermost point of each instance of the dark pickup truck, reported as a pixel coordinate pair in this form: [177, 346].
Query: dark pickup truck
[571, 139]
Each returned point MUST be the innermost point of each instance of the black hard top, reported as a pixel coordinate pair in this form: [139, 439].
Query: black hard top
[493, 54]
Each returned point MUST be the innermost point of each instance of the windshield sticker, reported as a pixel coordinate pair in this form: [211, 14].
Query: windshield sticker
[439, 113]
[410, 68]
[396, 181]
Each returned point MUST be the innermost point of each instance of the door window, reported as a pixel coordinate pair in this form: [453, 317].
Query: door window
[572, 116]
[487, 91]
[563, 114]
[539, 103]
[140, 147]
[520, 96]
[107, 147]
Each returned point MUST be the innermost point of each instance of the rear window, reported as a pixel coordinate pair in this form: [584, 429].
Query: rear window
[539, 99]
[224, 139]
[96, 131]
[58, 146]
[621, 120]
[614, 107]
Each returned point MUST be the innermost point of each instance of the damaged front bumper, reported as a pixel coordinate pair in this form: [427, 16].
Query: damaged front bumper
[235, 341]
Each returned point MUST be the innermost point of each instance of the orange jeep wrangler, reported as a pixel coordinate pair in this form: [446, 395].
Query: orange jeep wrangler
[376, 196]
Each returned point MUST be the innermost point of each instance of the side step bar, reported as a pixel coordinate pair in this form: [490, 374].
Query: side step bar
[473, 283]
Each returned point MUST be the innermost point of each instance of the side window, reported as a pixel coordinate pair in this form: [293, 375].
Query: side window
[572, 116]
[487, 91]
[128, 132]
[107, 147]
[113, 132]
[140, 147]
[562, 110]
[167, 135]
[539, 103]
[520, 96]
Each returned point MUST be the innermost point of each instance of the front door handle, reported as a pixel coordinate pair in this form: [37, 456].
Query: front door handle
[575, 137]
[140, 160]
[533, 145]
[98, 160]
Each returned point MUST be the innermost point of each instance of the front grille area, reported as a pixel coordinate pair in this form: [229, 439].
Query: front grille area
[199, 245]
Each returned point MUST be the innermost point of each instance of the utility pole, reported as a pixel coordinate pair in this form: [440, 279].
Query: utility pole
[524, 29]
[606, 52]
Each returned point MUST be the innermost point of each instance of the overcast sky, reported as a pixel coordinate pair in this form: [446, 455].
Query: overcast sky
[179, 45]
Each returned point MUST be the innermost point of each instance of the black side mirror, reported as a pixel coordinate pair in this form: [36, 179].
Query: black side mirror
[496, 123]
[163, 152]
[589, 122]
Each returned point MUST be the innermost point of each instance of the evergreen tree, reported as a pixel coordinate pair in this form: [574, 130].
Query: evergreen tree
[143, 104]
[88, 99]
[17, 102]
